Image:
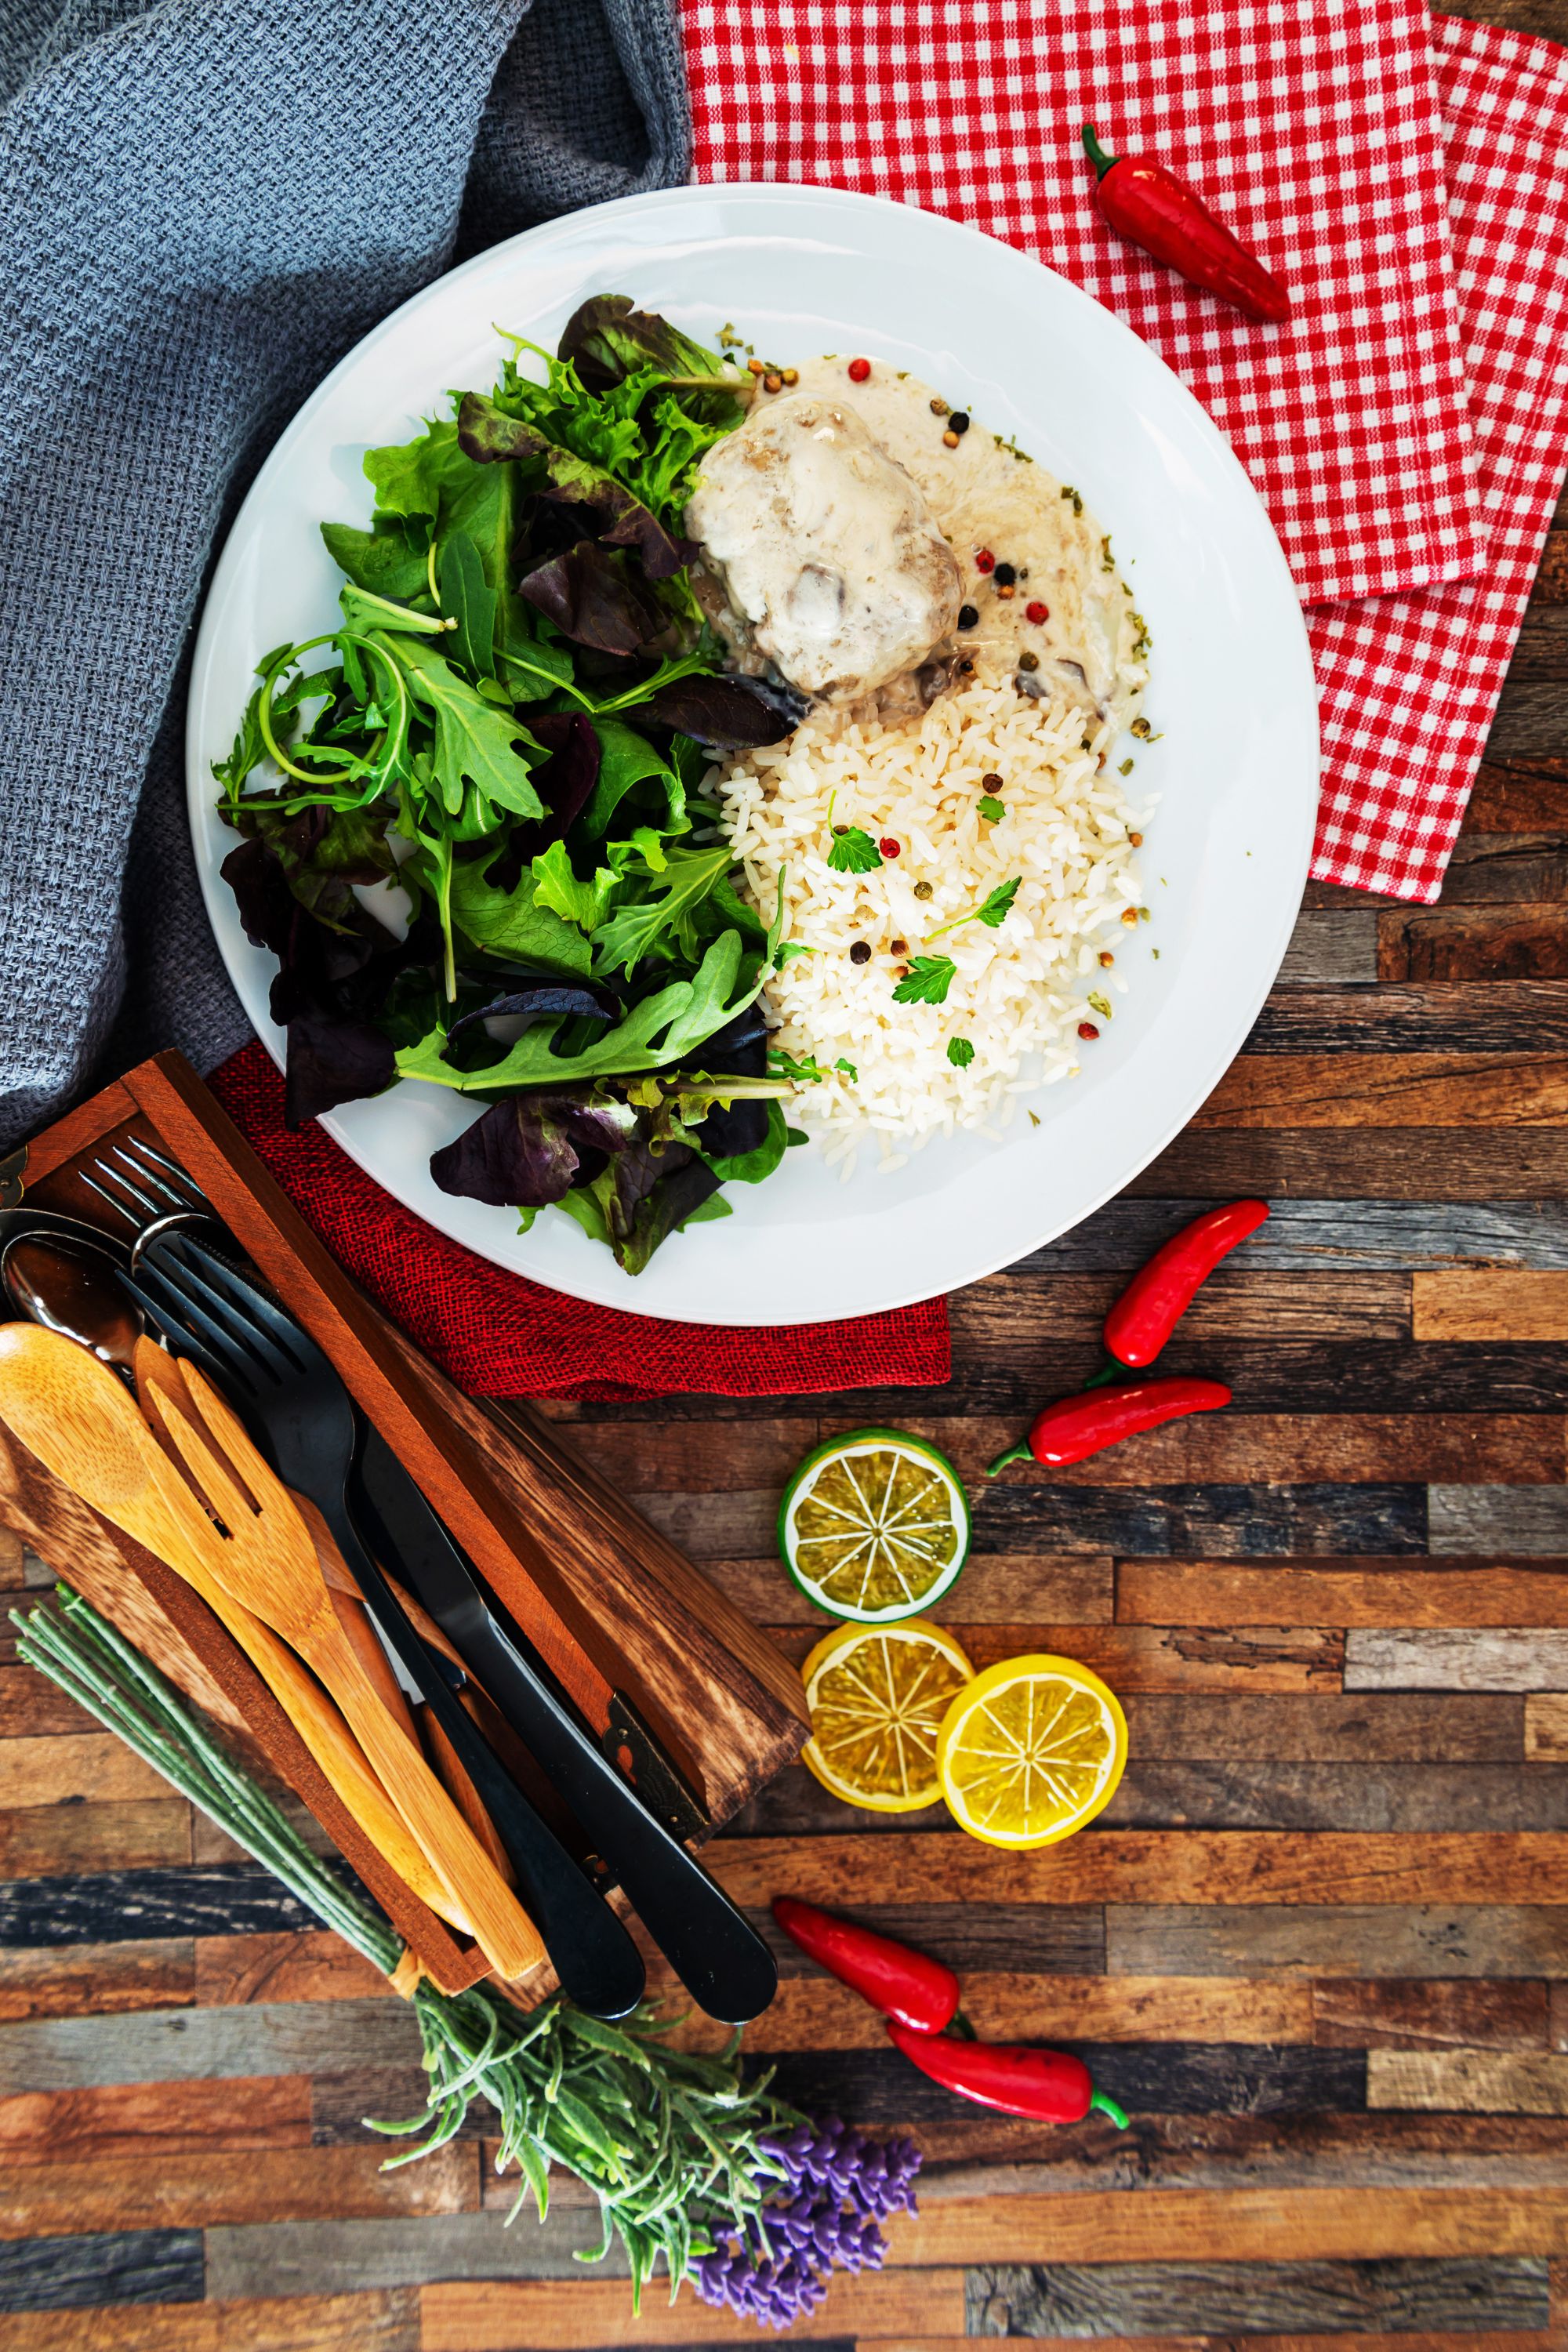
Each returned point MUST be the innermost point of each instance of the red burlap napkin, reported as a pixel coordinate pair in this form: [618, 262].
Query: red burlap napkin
[497, 1335]
[1405, 429]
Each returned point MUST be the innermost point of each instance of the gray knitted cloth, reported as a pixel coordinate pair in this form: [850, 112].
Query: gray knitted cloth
[203, 204]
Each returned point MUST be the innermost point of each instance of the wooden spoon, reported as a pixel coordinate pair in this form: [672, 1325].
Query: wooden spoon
[77, 1416]
[268, 1562]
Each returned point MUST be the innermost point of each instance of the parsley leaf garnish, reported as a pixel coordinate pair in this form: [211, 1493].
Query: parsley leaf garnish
[850, 1072]
[959, 1052]
[991, 808]
[991, 913]
[784, 1066]
[854, 852]
[788, 950]
[927, 982]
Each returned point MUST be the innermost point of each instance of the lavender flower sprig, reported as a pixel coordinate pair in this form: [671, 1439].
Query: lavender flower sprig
[835, 2189]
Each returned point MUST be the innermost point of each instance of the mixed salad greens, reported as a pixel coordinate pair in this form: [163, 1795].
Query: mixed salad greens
[511, 723]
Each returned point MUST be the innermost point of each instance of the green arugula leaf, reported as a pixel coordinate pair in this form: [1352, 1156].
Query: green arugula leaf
[659, 922]
[751, 1167]
[991, 912]
[928, 981]
[959, 1052]
[489, 436]
[518, 924]
[585, 904]
[387, 561]
[627, 760]
[475, 743]
[467, 598]
[854, 852]
[364, 611]
[659, 1030]
[709, 1212]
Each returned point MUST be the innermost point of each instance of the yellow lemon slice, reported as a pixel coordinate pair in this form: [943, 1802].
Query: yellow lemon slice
[878, 1695]
[874, 1525]
[1030, 1750]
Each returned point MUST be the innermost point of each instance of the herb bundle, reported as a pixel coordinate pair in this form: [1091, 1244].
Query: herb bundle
[694, 2167]
[510, 726]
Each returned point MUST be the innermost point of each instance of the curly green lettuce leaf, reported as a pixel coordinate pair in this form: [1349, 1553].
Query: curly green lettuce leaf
[489, 436]
[658, 921]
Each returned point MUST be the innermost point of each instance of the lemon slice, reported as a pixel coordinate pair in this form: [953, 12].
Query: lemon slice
[876, 1697]
[874, 1525]
[1030, 1750]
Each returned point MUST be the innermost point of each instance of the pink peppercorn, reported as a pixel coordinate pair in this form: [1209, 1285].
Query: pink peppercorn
[1037, 612]
[858, 371]
[1087, 1029]
[985, 560]
[888, 846]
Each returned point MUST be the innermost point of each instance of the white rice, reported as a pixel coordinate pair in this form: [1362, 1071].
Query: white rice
[1020, 990]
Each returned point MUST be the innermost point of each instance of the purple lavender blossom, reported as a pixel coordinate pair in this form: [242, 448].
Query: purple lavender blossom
[836, 2188]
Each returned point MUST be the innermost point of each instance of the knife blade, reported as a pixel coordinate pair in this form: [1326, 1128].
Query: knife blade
[714, 1950]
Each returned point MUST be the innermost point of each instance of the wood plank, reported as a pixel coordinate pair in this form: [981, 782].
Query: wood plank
[1517, 1163]
[386, 2321]
[496, 2315]
[190, 2044]
[1305, 1235]
[1546, 1728]
[882, 2090]
[1512, 2340]
[1235, 1303]
[106, 1979]
[151, 2121]
[1134, 1658]
[1243, 2225]
[209, 2190]
[110, 1906]
[999, 1588]
[309, 1966]
[1498, 2081]
[1505, 1017]
[1333, 1592]
[123, 2266]
[1334, 944]
[1521, 795]
[1413, 1090]
[1376, 2014]
[49, 1841]
[1499, 1658]
[1122, 1866]
[1510, 1518]
[1370, 1727]
[1472, 943]
[1217, 2296]
[58, 1768]
[30, 1703]
[1490, 1303]
[1326, 1940]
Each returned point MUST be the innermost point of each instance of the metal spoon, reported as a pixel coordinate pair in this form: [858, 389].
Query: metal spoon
[72, 1292]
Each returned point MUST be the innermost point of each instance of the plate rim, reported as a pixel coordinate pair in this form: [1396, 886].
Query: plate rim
[784, 191]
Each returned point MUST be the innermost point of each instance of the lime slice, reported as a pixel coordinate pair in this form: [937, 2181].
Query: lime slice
[874, 1525]
[1030, 1750]
[878, 1696]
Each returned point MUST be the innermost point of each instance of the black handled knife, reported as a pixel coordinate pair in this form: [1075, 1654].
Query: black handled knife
[716, 1954]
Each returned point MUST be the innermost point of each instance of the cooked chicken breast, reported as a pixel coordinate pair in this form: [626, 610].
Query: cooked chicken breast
[831, 564]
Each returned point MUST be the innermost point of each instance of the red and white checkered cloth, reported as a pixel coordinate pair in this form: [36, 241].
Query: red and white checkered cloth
[1407, 428]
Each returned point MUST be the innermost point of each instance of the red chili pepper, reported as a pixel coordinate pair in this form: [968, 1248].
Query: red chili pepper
[1151, 205]
[909, 1988]
[1155, 1301]
[1077, 1426]
[1043, 2084]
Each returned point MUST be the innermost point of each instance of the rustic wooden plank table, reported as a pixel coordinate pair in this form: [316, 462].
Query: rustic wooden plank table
[1319, 1946]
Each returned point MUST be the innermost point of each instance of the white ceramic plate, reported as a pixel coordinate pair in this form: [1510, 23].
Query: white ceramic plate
[808, 270]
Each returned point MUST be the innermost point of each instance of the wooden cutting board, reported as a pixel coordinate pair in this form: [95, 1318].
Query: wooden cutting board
[664, 1667]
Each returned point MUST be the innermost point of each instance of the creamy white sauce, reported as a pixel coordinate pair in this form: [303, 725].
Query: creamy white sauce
[816, 503]
[832, 567]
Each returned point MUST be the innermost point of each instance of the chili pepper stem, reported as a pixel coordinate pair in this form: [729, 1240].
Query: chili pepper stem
[1019, 1452]
[1110, 1371]
[1097, 154]
[1108, 2107]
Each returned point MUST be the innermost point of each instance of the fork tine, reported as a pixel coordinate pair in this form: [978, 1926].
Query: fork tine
[138, 1146]
[109, 1200]
[228, 1432]
[176, 1199]
[193, 1285]
[213, 1475]
[152, 1291]
[144, 1200]
[289, 1335]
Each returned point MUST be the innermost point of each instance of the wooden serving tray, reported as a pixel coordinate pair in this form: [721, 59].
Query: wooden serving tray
[619, 1612]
